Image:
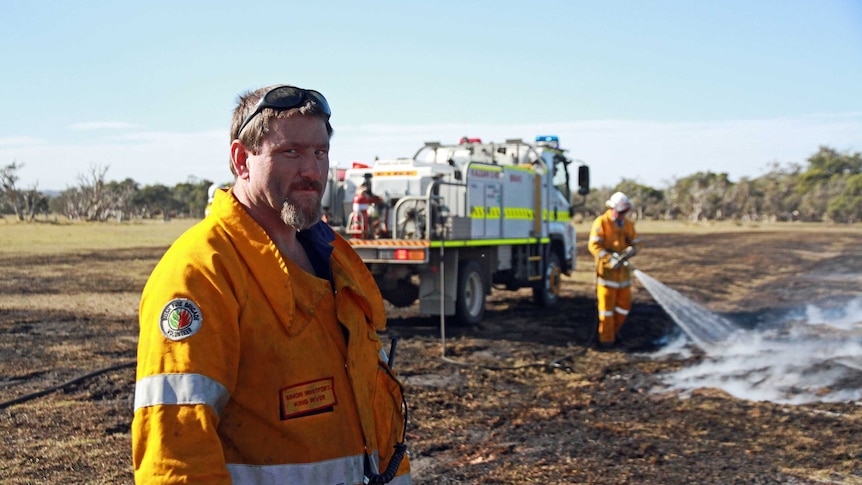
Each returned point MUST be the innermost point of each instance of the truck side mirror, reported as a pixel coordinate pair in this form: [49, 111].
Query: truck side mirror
[583, 180]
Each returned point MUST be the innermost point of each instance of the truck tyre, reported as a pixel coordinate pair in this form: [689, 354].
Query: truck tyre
[401, 293]
[547, 291]
[470, 306]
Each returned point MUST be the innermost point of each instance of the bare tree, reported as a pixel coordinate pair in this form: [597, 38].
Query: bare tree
[94, 199]
[33, 201]
[89, 200]
[8, 181]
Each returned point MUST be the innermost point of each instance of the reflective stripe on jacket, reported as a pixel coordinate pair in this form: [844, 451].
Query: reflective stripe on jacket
[236, 379]
[606, 238]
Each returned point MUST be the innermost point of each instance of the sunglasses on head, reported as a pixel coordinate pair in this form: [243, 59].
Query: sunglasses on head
[283, 98]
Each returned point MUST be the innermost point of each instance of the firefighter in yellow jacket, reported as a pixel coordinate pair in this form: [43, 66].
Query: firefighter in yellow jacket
[259, 359]
[613, 241]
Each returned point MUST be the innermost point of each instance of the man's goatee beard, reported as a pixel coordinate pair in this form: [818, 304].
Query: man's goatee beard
[299, 219]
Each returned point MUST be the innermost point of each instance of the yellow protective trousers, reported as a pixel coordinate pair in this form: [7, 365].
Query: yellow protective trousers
[614, 303]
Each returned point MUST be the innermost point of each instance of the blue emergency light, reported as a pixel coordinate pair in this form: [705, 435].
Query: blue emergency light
[549, 140]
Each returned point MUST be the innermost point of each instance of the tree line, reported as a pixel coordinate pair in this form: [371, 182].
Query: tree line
[94, 198]
[828, 187]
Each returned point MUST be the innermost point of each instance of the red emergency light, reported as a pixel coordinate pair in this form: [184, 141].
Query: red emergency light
[465, 140]
[409, 255]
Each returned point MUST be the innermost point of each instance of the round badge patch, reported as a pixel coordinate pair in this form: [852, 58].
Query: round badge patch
[181, 318]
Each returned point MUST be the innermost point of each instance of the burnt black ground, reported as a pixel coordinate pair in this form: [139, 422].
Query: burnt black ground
[520, 398]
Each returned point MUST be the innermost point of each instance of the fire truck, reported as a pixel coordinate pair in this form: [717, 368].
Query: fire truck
[453, 222]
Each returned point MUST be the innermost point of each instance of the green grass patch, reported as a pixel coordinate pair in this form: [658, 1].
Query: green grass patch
[47, 238]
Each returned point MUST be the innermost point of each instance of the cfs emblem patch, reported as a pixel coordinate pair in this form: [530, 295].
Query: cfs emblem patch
[181, 318]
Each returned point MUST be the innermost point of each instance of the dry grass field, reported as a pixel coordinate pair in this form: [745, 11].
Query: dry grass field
[68, 306]
[68, 302]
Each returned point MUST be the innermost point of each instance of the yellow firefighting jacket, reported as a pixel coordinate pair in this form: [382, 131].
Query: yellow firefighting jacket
[251, 370]
[606, 238]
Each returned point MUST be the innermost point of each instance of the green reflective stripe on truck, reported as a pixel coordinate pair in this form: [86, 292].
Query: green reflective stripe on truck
[518, 213]
[479, 212]
[548, 215]
[489, 242]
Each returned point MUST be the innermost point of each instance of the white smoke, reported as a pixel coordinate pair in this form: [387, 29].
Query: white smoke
[845, 318]
[812, 355]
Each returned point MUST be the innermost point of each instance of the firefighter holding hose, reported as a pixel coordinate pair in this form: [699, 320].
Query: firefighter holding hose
[613, 241]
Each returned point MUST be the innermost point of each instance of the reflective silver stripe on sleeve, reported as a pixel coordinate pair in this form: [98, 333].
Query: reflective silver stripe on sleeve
[405, 479]
[613, 284]
[596, 238]
[374, 462]
[330, 472]
[602, 253]
[180, 389]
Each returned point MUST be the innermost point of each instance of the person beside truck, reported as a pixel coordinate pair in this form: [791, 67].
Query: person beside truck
[613, 240]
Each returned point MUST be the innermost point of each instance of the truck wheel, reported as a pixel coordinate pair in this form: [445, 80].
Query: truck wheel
[547, 291]
[470, 306]
[401, 293]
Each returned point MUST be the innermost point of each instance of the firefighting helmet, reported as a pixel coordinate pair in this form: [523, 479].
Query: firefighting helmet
[619, 202]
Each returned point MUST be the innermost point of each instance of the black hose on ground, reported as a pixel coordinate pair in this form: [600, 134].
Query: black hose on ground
[29, 397]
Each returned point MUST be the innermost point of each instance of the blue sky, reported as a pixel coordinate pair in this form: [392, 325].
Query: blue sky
[646, 90]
